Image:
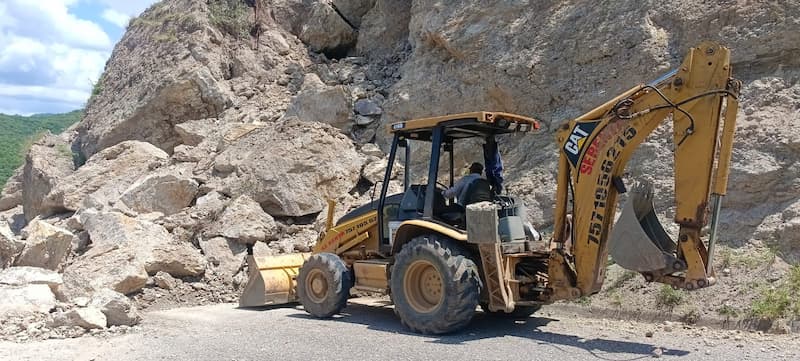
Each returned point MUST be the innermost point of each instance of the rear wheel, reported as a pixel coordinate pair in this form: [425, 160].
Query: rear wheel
[323, 285]
[435, 287]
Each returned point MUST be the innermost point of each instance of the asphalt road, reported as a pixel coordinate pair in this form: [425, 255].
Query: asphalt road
[370, 331]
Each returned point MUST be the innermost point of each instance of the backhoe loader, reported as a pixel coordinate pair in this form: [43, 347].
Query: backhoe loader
[438, 261]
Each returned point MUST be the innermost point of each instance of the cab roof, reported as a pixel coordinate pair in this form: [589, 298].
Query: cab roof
[466, 125]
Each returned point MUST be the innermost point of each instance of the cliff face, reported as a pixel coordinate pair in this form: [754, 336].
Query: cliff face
[263, 110]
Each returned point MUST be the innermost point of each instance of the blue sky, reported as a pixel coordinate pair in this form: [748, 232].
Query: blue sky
[52, 50]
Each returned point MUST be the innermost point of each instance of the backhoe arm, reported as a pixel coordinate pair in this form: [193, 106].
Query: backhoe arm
[594, 150]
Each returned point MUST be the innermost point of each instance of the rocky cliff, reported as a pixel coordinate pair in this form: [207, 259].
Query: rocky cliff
[224, 120]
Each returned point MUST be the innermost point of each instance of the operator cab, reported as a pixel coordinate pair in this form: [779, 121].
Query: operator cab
[425, 200]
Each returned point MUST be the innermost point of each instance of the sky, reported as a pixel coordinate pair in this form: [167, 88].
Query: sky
[52, 51]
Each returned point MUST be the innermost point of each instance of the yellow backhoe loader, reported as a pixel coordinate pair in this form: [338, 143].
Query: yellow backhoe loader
[438, 260]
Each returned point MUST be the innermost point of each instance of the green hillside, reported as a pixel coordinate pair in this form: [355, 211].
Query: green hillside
[17, 132]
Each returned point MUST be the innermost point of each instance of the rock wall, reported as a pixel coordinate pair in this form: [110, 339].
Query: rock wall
[217, 124]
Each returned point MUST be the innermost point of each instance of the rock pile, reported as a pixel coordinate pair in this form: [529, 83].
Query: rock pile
[218, 125]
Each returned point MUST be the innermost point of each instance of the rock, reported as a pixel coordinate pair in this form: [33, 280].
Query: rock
[372, 150]
[13, 219]
[27, 298]
[648, 334]
[165, 281]
[104, 177]
[118, 309]
[321, 103]
[364, 120]
[104, 266]
[21, 276]
[88, 318]
[243, 221]
[375, 171]
[225, 255]
[167, 194]
[124, 251]
[46, 246]
[11, 195]
[193, 132]
[309, 162]
[368, 107]
[326, 31]
[10, 246]
[657, 352]
[353, 10]
[47, 163]
[384, 28]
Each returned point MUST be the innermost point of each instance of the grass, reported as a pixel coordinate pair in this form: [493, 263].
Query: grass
[728, 312]
[166, 37]
[625, 277]
[781, 301]
[230, 16]
[668, 297]
[17, 133]
[731, 258]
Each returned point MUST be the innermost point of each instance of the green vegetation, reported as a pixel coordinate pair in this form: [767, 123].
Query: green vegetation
[669, 297]
[231, 16]
[624, 277]
[782, 301]
[765, 258]
[17, 133]
[728, 312]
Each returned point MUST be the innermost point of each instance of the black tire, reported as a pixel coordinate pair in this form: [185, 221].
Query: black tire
[430, 257]
[323, 285]
[519, 312]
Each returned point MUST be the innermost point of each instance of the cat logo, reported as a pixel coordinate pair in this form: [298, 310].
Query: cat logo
[577, 139]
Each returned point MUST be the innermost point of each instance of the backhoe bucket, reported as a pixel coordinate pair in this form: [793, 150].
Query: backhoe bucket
[638, 241]
[272, 279]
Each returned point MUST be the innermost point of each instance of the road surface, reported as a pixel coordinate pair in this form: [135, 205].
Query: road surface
[370, 331]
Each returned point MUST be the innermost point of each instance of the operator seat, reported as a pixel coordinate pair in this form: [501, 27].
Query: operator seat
[478, 190]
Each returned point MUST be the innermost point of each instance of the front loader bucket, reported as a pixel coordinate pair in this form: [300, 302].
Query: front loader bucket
[272, 279]
[638, 241]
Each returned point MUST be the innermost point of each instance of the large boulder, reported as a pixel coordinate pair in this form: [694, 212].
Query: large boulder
[307, 163]
[224, 255]
[353, 10]
[27, 298]
[86, 317]
[384, 28]
[48, 162]
[46, 246]
[104, 266]
[326, 31]
[124, 251]
[321, 103]
[244, 221]
[10, 246]
[118, 309]
[104, 177]
[14, 218]
[21, 276]
[152, 244]
[164, 193]
[11, 195]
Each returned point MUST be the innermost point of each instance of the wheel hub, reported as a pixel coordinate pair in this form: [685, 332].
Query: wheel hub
[317, 286]
[423, 286]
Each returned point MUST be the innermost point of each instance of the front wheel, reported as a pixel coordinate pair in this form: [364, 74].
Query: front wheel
[435, 287]
[323, 285]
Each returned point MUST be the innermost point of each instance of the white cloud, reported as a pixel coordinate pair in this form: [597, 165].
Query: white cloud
[50, 21]
[115, 17]
[128, 7]
[48, 56]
